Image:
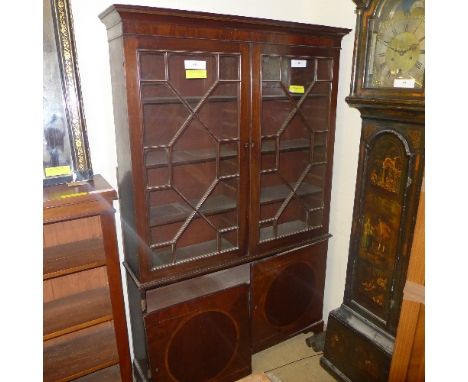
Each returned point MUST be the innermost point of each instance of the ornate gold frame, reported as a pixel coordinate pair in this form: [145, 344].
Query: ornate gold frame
[66, 52]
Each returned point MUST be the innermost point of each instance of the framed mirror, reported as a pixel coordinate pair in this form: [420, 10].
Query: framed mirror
[65, 146]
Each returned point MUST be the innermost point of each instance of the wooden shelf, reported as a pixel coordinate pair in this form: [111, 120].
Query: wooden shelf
[76, 312]
[109, 374]
[288, 228]
[190, 100]
[65, 259]
[175, 212]
[274, 194]
[297, 144]
[80, 353]
[193, 251]
[159, 158]
[293, 96]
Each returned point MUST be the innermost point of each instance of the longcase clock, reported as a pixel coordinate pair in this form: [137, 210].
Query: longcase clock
[387, 87]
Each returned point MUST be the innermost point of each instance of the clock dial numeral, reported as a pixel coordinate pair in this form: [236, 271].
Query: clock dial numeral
[419, 65]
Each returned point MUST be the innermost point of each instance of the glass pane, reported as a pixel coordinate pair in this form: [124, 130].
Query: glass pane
[271, 68]
[228, 161]
[229, 67]
[189, 81]
[220, 111]
[152, 66]
[199, 238]
[163, 114]
[324, 70]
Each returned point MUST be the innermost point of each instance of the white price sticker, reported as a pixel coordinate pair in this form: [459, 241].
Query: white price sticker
[298, 63]
[403, 83]
[194, 64]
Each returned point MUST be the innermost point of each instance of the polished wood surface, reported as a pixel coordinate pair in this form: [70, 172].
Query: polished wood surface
[80, 353]
[220, 169]
[287, 295]
[76, 312]
[84, 316]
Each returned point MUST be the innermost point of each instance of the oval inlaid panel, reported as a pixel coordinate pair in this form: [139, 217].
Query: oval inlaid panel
[290, 294]
[202, 347]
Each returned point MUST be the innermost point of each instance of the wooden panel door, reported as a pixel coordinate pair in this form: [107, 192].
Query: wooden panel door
[287, 295]
[204, 338]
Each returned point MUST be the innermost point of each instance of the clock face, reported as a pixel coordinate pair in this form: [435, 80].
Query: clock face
[396, 53]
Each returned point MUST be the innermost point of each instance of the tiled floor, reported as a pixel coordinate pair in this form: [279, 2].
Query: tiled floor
[290, 361]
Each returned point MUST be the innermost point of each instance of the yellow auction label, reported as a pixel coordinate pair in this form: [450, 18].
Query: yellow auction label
[296, 89]
[195, 73]
[57, 171]
[73, 195]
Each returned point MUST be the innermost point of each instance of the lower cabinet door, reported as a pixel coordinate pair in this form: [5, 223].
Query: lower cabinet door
[287, 295]
[206, 338]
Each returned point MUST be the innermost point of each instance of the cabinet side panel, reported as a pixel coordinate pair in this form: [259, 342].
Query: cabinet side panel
[124, 157]
[138, 333]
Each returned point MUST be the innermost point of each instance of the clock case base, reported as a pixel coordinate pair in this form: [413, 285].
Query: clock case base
[351, 334]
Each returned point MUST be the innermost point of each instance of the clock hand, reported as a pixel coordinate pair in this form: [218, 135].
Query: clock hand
[389, 46]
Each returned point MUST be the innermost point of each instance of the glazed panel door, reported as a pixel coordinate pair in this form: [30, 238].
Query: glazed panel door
[194, 111]
[293, 141]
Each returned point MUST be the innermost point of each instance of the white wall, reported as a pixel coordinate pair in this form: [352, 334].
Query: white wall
[93, 61]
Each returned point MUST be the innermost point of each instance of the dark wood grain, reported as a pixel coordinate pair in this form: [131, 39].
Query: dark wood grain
[109, 374]
[76, 312]
[80, 353]
[84, 317]
[205, 165]
[287, 295]
[73, 257]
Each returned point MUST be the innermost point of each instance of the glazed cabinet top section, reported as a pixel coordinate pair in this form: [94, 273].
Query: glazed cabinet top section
[139, 20]
[224, 140]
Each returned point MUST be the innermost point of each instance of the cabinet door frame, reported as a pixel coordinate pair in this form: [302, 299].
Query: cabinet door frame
[255, 246]
[132, 47]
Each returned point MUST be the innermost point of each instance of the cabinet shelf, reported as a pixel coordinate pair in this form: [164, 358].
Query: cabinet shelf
[160, 158]
[190, 100]
[109, 374]
[76, 312]
[226, 98]
[278, 193]
[175, 212]
[80, 353]
[269, 146]
[294, 96]
[288, 228]
[190, 252]
[78, 256]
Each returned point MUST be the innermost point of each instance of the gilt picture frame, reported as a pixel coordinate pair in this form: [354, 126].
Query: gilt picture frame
[66, 155]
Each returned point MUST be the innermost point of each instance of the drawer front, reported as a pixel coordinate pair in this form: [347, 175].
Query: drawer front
[203, 339]
[287, 294]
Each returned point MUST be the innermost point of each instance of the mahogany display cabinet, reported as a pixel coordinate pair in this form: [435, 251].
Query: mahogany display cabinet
[225, 131]
[85, 330]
